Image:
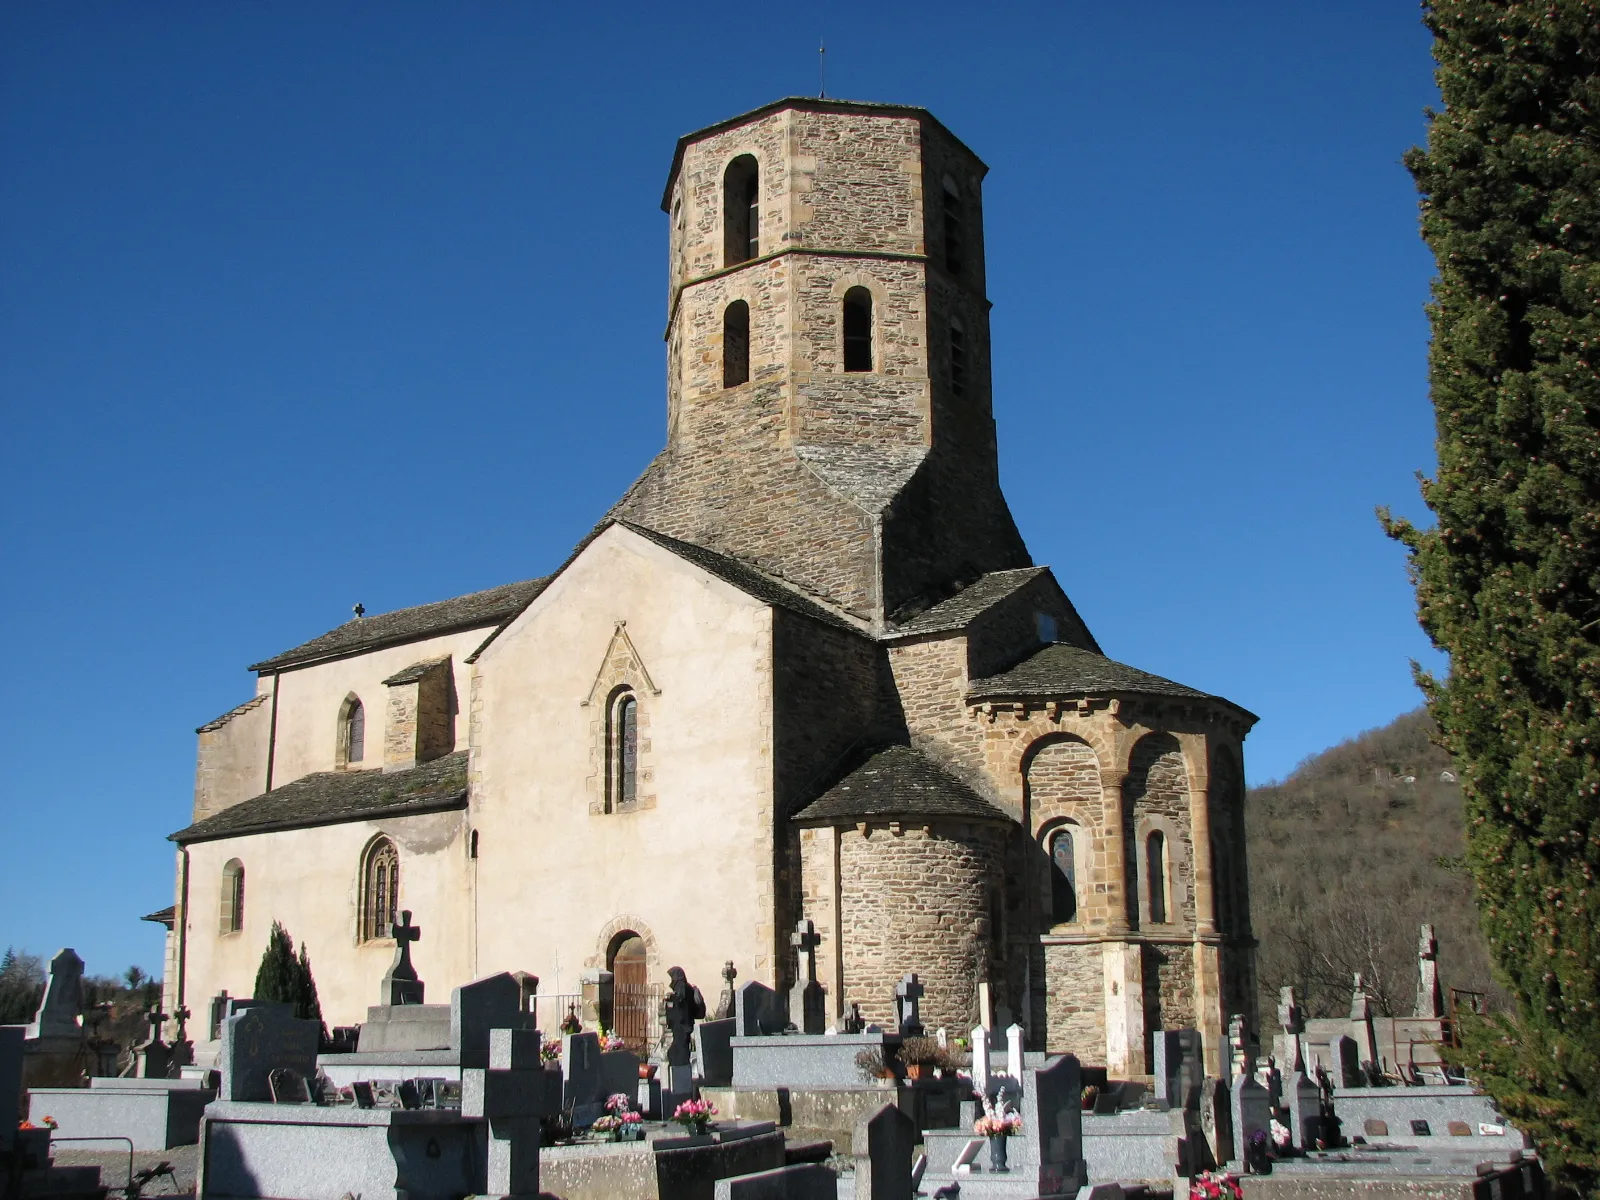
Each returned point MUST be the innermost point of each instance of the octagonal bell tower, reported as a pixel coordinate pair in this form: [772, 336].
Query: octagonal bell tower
[829, 411]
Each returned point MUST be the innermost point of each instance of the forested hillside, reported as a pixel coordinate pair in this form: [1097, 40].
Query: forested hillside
[1348, 856]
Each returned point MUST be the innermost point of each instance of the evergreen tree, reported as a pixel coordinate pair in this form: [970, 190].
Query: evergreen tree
[306, 1004]
[1508, 580]
[276, 978]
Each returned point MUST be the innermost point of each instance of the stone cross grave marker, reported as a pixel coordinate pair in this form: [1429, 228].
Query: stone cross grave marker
[1014, 1058]
[725, 1002]
[882, 1150]
[908, 1005]
[511, 1093]
[62, 1000]
[807, 1008]
[153, 1057]
[401, 985]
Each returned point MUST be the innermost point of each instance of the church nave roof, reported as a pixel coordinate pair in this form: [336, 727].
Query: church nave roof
[484, 608]
[334, 797]
[1063, 670]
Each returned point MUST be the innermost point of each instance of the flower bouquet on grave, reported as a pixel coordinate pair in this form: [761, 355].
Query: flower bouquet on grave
[695, 1115]
[570, 1023]
[608, 1125]
[997, 1124]
[550, 1052]
[1215, 1185]
[610, 1041]
[629, 1124]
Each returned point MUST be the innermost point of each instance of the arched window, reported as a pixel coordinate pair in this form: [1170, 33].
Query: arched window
[1063, 877]
[380, 890]
[622, 753]
[355, 731]
[958, 358]
[955, 227]
[858, 329]
[741, 211]
[735, 344]
[232, 897]
[1155, 870]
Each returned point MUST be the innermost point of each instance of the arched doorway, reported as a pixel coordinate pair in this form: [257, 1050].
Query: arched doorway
[631, 1006]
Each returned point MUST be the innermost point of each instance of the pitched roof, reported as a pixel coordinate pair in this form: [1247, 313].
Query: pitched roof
[959, 610]
[165, 916]
[334, 797]
[897, 781]
[415, 671]
[235, 711]
[1063, 670]
[477, 609]
[747, 579]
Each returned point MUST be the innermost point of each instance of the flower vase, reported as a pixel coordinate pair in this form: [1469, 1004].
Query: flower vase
[997, 1155]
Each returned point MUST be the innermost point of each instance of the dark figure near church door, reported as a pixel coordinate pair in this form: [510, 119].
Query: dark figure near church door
[683, 1007]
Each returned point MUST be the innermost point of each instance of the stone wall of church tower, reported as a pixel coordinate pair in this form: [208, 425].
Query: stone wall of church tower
[874, 489]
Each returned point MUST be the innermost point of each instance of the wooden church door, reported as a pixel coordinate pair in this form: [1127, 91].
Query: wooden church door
[631, 1000]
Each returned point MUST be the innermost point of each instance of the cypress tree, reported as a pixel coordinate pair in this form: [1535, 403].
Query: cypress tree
[1508, 580]
[306, 1005]
[276, 977]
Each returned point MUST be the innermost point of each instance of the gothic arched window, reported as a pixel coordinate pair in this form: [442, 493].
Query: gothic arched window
[955, 227]
[958, 358]
[622, 752]
[380, 889]
[858, 329]
[1155, 870]
[735, 344]
[1063, 877]
[232, 919]
[354, 733]
[741, 211]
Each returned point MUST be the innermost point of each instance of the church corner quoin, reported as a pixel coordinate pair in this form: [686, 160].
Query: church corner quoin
[804, 670]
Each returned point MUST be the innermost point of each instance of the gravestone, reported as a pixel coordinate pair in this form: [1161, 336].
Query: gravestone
[758, 1011]
[1288, 1046]
[1458, 1129]
[10, 1082]
[1345, 1061]
[1178, 1068]
[57, 1016]
[852, 1021]
[1250, 1113]
[713, 1049]
[1430, 999]
[619, 1073]
[807, 1005]
[1216, 1119]
[288, 1086]
[1361, 1025]
[980, 1061]
[511, 1092]
[1419, 1128]
[152, 1058]
[908, 1005]
[477, 1008]
[1304, 1102]
[401, 985]
[580, 1070]
[725, 1002]
[882, 1148]
[1014, 1056]
[257, 1041]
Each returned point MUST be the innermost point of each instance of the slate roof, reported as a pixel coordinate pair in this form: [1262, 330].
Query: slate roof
[415, 671]
[476, 609]
[334, 797]
[959, 610]
[236, 710]
[1063, 670]
[746, 578]
[165, 916]
[898, 782]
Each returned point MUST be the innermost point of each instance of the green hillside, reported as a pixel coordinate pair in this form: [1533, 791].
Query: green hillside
[1348, 856]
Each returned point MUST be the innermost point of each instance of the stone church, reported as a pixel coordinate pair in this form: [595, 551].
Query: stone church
[803, 669]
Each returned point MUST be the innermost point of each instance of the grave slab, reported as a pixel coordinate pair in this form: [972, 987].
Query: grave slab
[152, 1117]
[804, 1060]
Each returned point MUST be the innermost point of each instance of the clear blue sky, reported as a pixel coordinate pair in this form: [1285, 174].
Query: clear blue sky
[309, 303]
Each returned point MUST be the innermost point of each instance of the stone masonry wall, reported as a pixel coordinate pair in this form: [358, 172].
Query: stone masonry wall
[1158, 786]
[1064, 786]
[1169, 991]
[916, 900]
[231, 764]
[1074, 1016]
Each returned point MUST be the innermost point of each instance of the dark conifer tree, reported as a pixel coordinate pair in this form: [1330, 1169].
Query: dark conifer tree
[1508, 580]
[306, 1005]
[276, 977]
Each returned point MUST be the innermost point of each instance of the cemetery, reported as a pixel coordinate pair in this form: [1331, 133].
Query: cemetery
[470, 1099]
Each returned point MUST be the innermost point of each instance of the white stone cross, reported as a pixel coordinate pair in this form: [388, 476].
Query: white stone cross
[805, 940]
